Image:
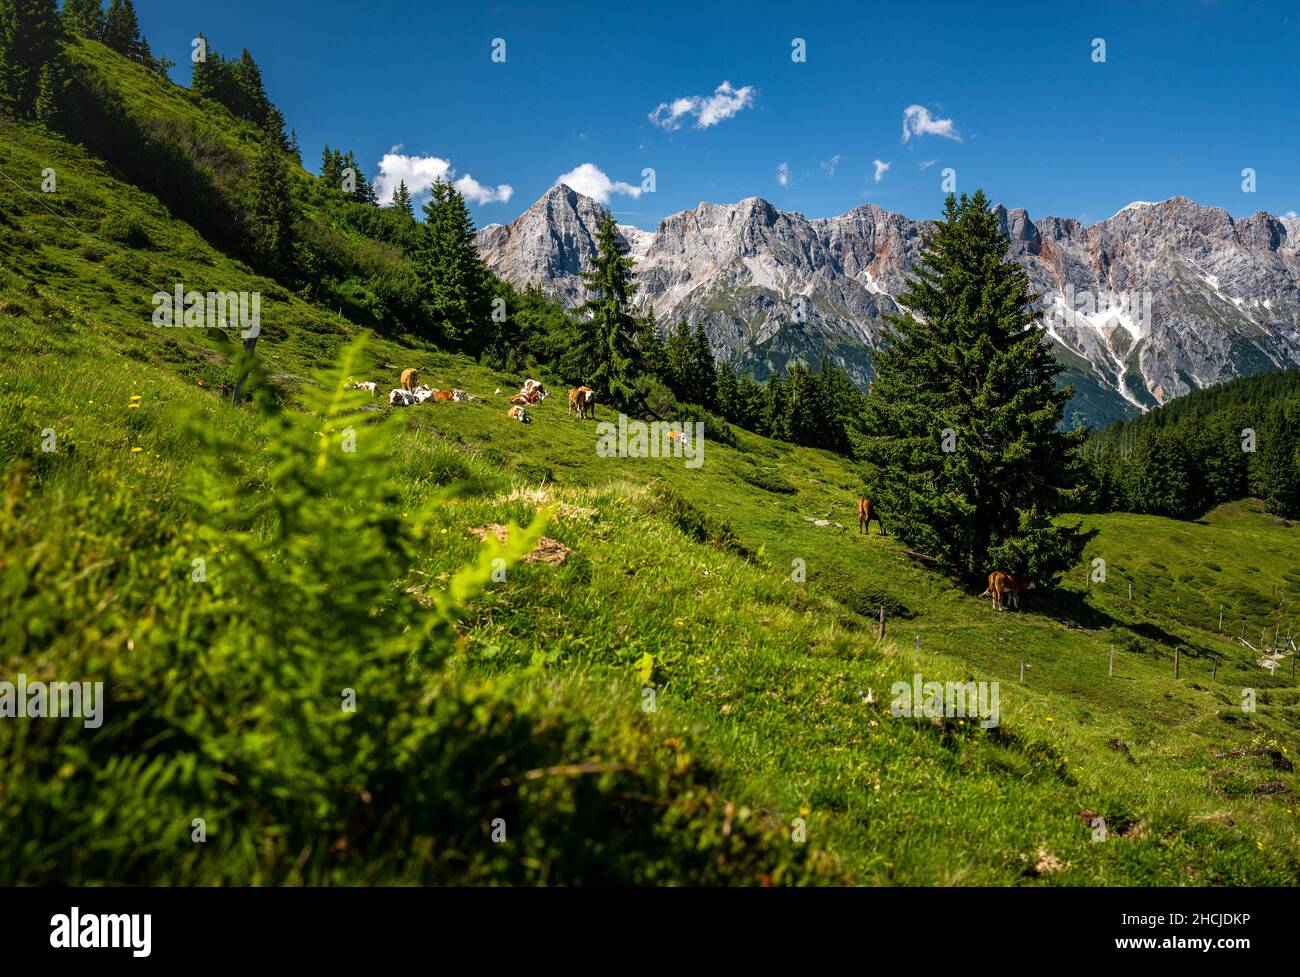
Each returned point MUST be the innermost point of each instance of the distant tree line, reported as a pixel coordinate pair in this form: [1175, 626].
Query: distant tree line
[1212, 446]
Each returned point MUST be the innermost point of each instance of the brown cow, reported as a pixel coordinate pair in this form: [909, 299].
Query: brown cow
[410, 378]
[519, 400]
[1006, 588]
[442, 395]
[866, 512]
[582, 401]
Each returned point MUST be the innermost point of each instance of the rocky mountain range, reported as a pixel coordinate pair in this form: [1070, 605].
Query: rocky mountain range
[1159, 299]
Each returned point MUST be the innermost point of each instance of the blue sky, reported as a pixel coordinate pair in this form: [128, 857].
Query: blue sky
[1189, 95]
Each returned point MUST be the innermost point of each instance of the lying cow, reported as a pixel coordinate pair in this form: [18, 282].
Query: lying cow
[368, 385]
[520, 414]
[424, 395]
[401, 398]
[534, 391]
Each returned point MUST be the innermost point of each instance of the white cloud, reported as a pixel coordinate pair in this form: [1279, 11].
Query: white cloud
[917, 121]
[708, 110]
[925, 165]
[471, 189]
[590, 180]
[880, 169]
[830, 164]
[420, 174]
[783, 174]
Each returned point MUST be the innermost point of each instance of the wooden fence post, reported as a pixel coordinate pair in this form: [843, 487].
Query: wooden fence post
[1220, 617]
[1175, 662]
[1022, 670]
[882, 622]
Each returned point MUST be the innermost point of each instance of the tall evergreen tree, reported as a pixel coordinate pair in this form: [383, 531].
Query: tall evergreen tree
[654, 359]
[331, 167]
[727, 400]
[961, 429]
[271, 207]
[603, 353]
[84, 18]
[678, 360]
[801, 417]
[30, 33]
[457, 282]
[122, 32]
[50, 94]
[704, 370]
[252, 103]
[402, 199]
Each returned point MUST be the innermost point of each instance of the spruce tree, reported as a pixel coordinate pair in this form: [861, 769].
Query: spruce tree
[331, 167]
[204, 74]
[801, 418]
[122, 32]
[775, 417]
[678, 357]
[402, 199]
[457, 283]
[704, 371]
[603, 353]
[271, 208]
[30, 33]
[251, 101]
[49, 95]
[654, 359]
[84, 18]
[961, 432]
[727, 404]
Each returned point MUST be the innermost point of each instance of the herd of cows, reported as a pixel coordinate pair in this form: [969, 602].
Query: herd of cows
[1003, 588]
[582, 400]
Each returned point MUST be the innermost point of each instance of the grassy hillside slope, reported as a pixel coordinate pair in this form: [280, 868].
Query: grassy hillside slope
[772, 693]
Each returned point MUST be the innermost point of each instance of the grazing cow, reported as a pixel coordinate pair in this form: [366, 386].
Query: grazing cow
[1017, 586]
[867, 512]
[520, 414]
[582, 402]
[681, 437]
[410, 378]
[1005, 587]
[401, 398]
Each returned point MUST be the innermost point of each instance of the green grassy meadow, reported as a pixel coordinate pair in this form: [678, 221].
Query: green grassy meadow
[755, 626]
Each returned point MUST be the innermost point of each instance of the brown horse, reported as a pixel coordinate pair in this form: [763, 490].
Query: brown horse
[867, 512]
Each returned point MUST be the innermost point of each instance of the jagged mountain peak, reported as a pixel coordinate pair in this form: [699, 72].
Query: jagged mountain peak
[772, 286]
